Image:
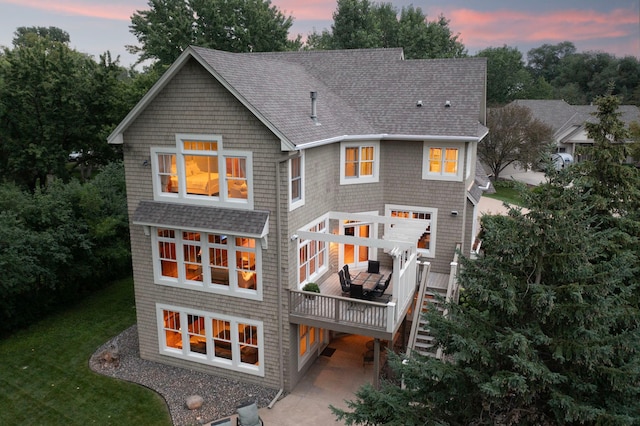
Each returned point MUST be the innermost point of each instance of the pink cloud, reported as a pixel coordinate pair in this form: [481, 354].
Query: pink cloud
[308, 10]
[509, 27]
[111, 10]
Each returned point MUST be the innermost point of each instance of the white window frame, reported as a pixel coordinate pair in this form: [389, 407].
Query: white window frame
[294, 204]
[433, 212]
[232, 289]
[442, 175]
[209, 358]
[314, 248]
[311, 348]
[222, 199]
[374, 177]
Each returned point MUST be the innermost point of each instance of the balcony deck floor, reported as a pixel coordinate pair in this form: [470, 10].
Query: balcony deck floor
[331, 286]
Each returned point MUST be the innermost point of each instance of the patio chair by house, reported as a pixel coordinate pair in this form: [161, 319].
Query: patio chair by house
[346, 286]
[248, 414]
[347, 275]
[373, 267]
[229, 421]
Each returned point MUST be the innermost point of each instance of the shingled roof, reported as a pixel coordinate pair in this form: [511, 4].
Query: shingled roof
[249, 223]
[360, 93]
[560, 116]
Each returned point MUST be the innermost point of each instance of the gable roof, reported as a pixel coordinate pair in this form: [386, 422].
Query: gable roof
[561, 116]
[361, 93]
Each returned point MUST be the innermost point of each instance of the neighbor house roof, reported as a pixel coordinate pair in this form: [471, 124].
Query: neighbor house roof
[561, 116]
[360, 93]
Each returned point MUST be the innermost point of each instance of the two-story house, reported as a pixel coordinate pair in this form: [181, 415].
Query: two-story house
[250, 175]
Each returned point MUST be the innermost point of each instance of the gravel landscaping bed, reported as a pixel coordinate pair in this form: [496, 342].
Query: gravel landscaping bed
[220, 395]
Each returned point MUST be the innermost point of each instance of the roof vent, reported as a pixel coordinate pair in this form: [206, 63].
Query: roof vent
[447, 104]
[314, 97]
[419, 104]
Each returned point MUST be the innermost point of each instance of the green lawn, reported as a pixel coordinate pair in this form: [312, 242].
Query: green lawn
[505, 191]
[45, 376]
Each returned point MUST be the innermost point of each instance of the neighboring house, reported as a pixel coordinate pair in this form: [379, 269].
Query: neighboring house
[568, 122]
[250, 175]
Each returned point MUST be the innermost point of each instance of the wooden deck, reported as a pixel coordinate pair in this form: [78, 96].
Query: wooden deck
[331, 286]
[334, 310]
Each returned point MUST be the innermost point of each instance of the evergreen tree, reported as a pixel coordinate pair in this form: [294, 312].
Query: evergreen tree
[547, 330]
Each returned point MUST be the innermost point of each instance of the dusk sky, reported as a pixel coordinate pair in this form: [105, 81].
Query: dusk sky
[612, 26]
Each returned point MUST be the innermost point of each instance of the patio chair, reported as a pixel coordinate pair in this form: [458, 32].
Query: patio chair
[373, 267]
[347, 275]
[356, 291]
[248, 414]
[346, 287]
[229, 421]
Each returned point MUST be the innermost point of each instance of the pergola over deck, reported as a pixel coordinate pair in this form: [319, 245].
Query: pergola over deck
[382, 320]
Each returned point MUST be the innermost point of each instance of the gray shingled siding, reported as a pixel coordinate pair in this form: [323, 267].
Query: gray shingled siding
[195, 103]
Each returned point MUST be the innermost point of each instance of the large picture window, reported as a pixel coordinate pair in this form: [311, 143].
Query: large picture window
[442, 162]
[207, 261]
[312, 254]
[224, 341]
[199, 170]
[359, 162]
[427, 241]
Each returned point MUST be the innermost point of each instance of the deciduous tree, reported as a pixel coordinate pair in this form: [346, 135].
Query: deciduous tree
[515, 137]
[361, 24]
[170, 26]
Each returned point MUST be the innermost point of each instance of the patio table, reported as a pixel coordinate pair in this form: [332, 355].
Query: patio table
[367, 280]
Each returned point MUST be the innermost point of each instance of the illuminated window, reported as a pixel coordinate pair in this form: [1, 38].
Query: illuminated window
[171, 327]
[167, 253]
[359, 162]
[198, 260]
[309, 339]
[312, 254]
[199, 170]
[197, 335]
[442, 163]
[229, 342]
[237, 178]
[426, 241]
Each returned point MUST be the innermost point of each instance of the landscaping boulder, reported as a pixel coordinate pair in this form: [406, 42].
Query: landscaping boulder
[194, 402]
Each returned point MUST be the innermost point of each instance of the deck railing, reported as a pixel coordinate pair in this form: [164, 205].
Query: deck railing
[337, 309]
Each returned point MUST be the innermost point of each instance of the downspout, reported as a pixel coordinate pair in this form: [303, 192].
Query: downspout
[279, 276]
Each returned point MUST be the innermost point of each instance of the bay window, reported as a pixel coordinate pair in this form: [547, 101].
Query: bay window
[206, 261]
[199, 170]
[209, 338]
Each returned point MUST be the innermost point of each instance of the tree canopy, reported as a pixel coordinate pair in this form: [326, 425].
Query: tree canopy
[170, 26]
[361, 24]
[55, 100]
[514, 137]
[547, 330]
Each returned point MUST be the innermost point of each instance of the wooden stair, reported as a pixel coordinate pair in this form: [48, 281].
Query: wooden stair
[434, 287]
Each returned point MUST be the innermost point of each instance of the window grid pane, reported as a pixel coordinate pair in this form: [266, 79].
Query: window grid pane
[351, 162]
[168, 173]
